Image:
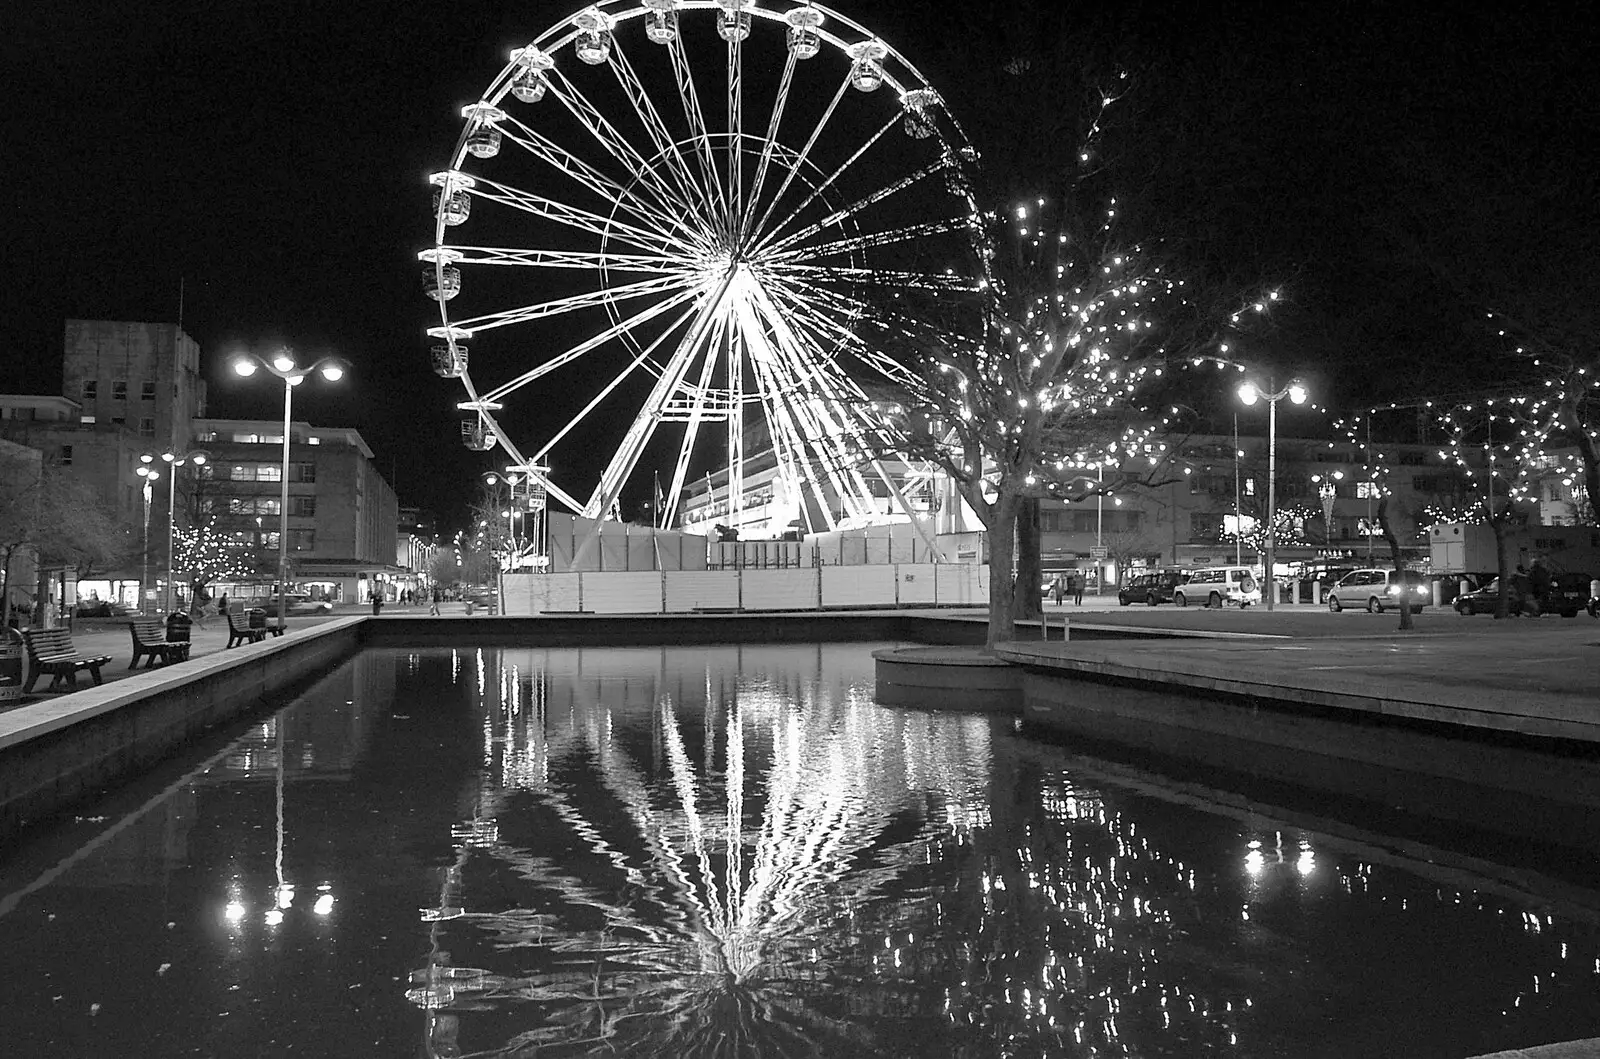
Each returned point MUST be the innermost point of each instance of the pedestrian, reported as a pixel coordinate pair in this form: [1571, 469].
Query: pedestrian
[1540, 579]
[1058, 589]
[222, 603]
[377, 602]
[1077, 590]
[433, 607]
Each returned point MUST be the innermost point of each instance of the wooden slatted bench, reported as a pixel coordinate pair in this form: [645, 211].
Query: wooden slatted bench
[51, 651]
[238, 634]
[150, 641]
[258, 620]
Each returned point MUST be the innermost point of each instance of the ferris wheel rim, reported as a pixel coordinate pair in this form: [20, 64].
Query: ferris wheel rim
[896, 72]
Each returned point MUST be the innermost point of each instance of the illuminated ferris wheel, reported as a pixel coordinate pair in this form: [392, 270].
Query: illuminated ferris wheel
[660, 224]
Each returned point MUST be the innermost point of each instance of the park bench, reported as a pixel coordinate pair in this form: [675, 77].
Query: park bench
[51, 651]
[242, 633]
[258, 620]
[150, 641]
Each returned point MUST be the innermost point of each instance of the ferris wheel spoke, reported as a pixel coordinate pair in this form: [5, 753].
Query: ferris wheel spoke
[697, 123]
[614, 143]
[573, 303]
[652, 264]
[639, 358]
[811, 308]
[768, 145]
[800, 159]
[574, 217]
[661, 137]
[786, 248]
[617, 329]
[587, 176]
[644, 424]
[816, 192]
[874, 277]
[819, 414]
[735, 129]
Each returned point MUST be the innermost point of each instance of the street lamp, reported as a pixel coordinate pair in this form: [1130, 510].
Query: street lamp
[283, 366]
[1249, 394]
[149, 474]
[175, 460]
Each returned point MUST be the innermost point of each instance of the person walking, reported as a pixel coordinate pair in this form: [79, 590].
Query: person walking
[433, 607]
[1058, 589]
[1077, 590]
[222, 603]
[377, 602]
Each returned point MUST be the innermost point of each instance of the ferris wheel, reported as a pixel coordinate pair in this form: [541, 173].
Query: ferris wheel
[660, 224]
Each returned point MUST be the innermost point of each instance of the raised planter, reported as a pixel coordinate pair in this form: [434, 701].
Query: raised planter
[947, 678]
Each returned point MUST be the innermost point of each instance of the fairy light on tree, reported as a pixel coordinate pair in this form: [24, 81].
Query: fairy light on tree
[209, 554]
[1054, 376]
[1559, 404]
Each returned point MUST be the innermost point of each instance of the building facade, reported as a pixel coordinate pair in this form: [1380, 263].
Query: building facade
[342, 518]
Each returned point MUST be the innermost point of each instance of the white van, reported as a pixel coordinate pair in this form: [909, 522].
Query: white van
[1214, 586]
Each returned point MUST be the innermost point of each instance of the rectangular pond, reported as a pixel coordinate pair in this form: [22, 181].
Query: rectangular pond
[732, 851]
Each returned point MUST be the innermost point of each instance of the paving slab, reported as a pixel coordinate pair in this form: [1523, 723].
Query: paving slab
[1538, 680]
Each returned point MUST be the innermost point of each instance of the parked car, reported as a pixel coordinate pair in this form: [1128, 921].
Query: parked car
[1379, 589]
[1215, 586]
[296, 603]
[1152, 588]
[1569, 593]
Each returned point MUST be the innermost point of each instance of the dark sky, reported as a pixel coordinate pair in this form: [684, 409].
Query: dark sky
[273, 156]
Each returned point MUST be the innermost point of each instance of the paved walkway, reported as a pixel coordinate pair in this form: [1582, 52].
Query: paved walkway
[110, 637]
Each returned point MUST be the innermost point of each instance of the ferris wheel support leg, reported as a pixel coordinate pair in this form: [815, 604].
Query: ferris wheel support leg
[645, 423]
[905, 508]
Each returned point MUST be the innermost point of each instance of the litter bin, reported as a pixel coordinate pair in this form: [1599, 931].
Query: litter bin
[178, 633]
[10, 669]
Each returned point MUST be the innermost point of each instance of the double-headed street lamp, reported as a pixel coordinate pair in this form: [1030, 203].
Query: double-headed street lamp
[282, 364]
[1250, 393]
[174, 460]
[149, 474]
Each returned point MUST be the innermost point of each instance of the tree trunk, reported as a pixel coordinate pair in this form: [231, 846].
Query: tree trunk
[1393, 542]
[1002, 584]
[1502, 602]
[1027, 605]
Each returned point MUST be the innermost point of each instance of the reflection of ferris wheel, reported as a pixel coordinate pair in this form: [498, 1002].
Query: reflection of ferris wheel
[675, 269]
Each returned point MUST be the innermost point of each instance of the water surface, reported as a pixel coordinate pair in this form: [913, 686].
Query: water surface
[732, 851]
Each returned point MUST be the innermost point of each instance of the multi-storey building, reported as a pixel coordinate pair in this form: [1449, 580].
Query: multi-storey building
[342, 517]
[133, 389]
[1326, 492]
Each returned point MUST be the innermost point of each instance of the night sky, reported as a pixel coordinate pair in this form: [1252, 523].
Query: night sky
[1395, 168]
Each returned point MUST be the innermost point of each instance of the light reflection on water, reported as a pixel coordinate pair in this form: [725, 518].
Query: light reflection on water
[733, 852]
[750, 840]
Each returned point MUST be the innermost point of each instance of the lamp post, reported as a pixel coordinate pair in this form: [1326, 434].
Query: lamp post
[283, 366]
[174, 460]
[149, 474]
[1249, 394]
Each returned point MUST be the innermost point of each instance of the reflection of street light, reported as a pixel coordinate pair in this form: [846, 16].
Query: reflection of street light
[1249, 393]
[149, 474]
[283, 366]
[176, 460]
